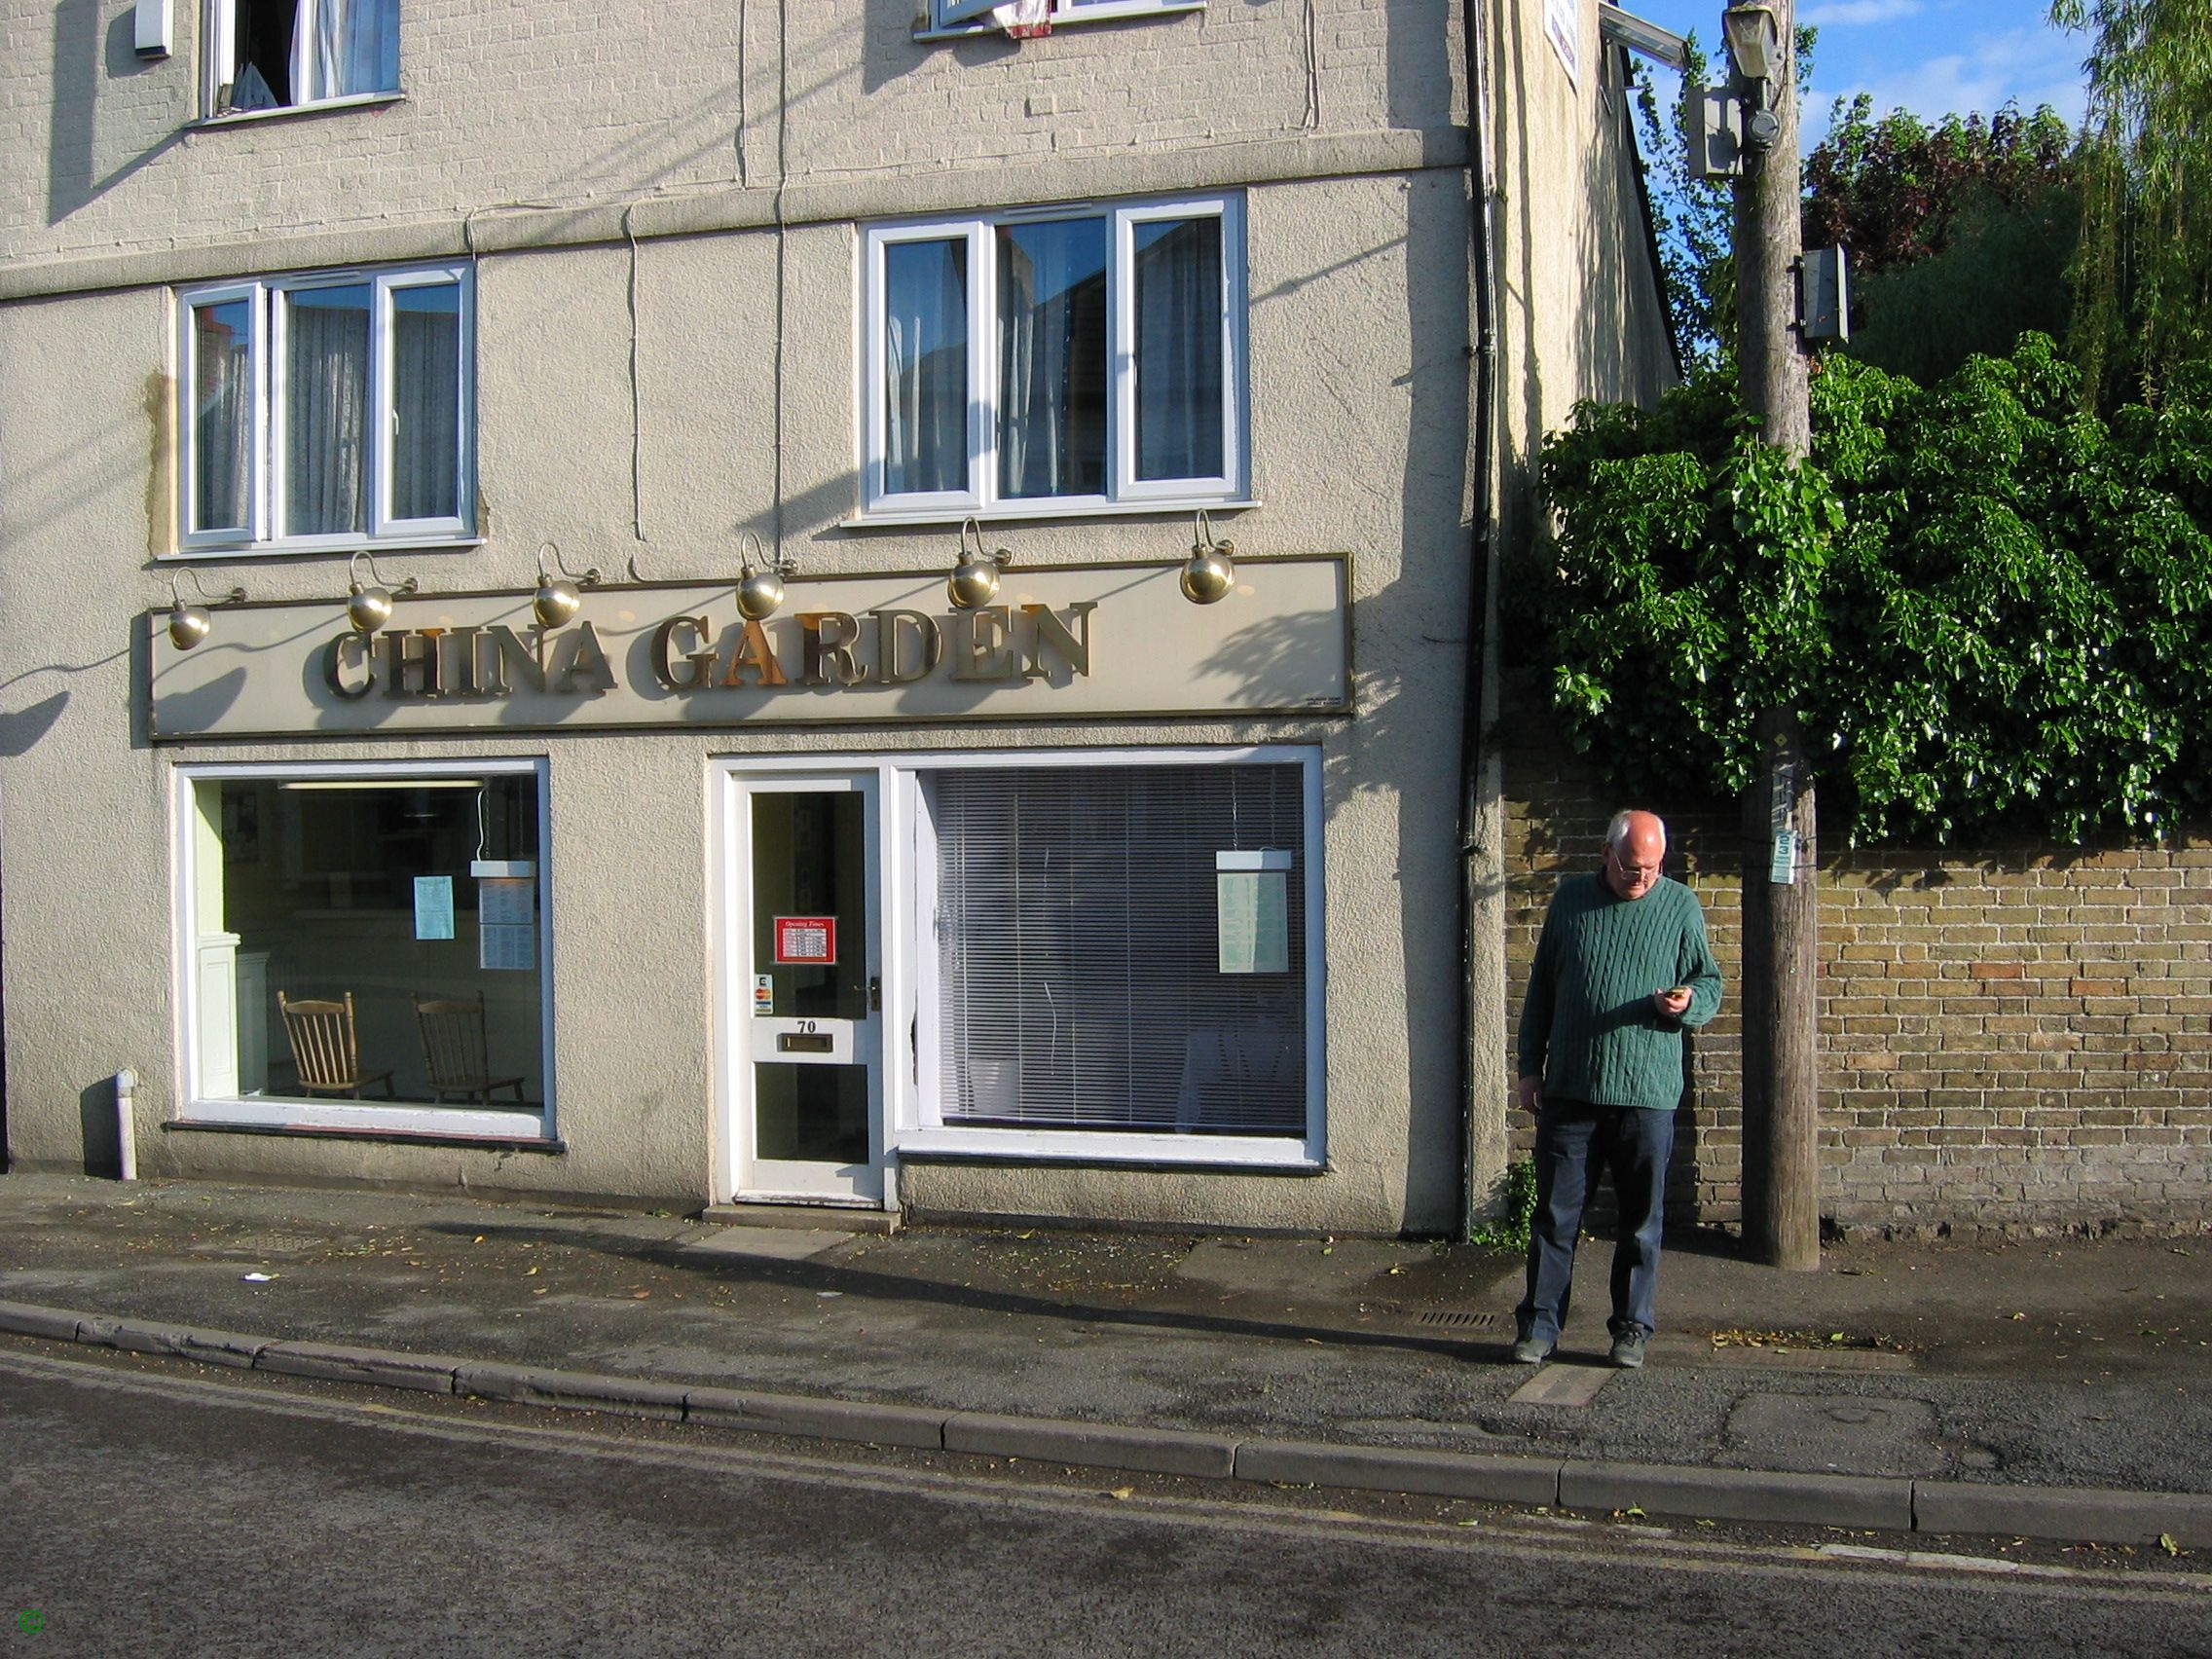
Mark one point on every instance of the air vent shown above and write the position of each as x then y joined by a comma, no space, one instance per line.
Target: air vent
1458,1319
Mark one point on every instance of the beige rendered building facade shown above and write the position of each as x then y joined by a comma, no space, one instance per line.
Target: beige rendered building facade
784,603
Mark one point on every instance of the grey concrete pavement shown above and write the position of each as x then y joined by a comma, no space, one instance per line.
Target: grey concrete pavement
2052,1388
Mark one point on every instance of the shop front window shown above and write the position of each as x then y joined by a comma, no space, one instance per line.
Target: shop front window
369,945
1124,950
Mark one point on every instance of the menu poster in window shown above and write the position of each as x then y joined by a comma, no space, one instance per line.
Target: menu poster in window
433,906
1252,912
806,942
507,923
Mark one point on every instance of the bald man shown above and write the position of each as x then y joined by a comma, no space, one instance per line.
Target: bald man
1622,970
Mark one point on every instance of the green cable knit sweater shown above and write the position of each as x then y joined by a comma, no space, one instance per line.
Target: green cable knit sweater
1588,1026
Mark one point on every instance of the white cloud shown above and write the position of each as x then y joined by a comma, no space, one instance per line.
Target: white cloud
1850,13
2028,66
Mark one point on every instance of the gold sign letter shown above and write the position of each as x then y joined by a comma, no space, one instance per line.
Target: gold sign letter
752,653
983,645
335,664
825,648
702,669
507,652
407,651
897,667
587,660
1049,629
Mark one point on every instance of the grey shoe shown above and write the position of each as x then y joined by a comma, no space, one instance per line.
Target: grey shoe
1627,1348
1530,1351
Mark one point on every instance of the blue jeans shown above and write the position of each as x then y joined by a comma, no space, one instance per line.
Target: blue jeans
1572,1136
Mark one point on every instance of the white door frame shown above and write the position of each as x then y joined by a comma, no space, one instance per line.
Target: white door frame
735,783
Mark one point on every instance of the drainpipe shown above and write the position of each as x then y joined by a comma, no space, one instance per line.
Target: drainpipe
125,1084
1481,969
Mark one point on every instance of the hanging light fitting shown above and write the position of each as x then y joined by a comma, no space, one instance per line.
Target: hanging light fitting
1209,575
189,624
368,605
974,580
559,598
761,588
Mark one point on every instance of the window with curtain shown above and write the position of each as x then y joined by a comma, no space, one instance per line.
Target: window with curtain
278,54
329,410
1056,359
1091,973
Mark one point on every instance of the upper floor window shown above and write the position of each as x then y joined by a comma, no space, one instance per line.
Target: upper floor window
331,409
1056,359
276,54
1038,17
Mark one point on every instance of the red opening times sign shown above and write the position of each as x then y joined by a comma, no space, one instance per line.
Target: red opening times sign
806,942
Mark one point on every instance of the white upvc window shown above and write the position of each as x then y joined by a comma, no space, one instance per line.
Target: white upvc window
284,53
978,17
1056,360
330,411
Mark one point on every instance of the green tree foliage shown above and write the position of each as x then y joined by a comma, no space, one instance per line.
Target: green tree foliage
1988,608
1960,232
2144,271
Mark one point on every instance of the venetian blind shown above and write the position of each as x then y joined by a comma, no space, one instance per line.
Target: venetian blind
1076,938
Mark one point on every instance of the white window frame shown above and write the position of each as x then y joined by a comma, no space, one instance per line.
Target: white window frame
325,1115
223,40
908,881
952,19
1124,492
266,348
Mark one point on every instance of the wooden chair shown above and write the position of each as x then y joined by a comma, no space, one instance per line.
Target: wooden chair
452,1048
324,1051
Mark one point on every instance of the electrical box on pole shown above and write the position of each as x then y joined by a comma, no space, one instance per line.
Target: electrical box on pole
1716,140
1823,294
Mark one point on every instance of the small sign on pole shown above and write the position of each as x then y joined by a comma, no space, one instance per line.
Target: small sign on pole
1823,294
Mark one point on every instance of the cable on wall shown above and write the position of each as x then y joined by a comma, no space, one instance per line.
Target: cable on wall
636,423
742,172
1313,29
783,152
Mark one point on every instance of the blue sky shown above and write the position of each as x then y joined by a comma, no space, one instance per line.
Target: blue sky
1931,56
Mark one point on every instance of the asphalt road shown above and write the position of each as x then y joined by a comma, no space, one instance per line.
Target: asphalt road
157,1513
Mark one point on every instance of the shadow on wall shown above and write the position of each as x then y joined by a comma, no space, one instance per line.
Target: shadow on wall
21,730
102,1133
1620,328
84,64
890,50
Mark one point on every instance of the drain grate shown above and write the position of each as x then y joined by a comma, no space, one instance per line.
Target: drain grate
1458,1319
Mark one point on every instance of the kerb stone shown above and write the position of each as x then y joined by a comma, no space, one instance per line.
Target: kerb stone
828,1419
1155,1451
2077,1515
571,1391
1740,1494
1384,1468
383,1368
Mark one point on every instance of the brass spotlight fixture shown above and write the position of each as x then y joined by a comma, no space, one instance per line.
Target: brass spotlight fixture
1209,575
368,605
975,579
761,588
559,598
189,624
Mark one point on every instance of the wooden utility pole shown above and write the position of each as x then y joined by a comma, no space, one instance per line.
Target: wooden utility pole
1781,1169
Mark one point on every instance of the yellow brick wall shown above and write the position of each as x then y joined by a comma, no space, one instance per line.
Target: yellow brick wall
2011,1039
